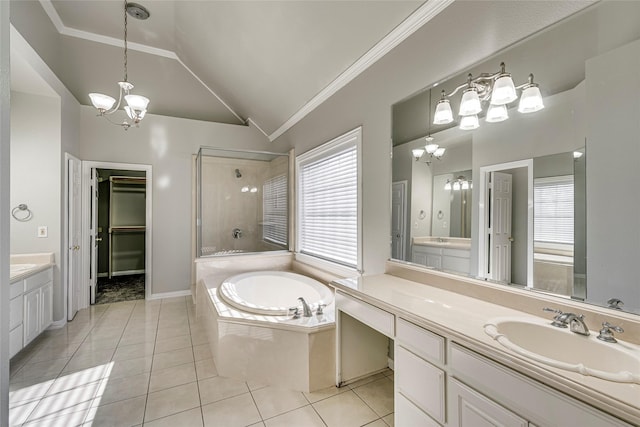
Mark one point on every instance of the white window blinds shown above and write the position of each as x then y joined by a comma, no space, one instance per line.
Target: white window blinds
553,209
274,210
328,201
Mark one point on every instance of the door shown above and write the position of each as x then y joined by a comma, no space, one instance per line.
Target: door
499,226
74,268
398,220
93,234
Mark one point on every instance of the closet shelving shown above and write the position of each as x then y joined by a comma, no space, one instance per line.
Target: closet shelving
127,217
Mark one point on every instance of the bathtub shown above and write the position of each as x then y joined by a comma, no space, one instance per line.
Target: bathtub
273,292
253,337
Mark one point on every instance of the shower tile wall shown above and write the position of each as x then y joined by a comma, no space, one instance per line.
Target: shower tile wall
226,207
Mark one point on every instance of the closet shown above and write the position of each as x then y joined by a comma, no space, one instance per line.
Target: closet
121,219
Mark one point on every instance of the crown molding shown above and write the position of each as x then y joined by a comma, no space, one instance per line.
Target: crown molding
417,19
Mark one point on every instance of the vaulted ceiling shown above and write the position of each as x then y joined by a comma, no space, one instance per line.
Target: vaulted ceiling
224,61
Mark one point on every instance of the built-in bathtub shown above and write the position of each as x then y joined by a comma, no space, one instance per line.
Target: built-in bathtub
254,338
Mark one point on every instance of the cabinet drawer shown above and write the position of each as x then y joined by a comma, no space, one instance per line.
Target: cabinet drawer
427,249
15,312
38,279
458,253
15,341
408,414
420,382
374,317
528,398
16,289
420,341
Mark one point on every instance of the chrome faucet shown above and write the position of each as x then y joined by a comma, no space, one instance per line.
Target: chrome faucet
606,333
615,303
575,322
305,307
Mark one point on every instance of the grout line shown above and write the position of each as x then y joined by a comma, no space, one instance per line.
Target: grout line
146,401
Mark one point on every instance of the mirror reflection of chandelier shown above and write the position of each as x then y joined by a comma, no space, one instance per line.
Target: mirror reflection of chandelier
497,88
457,184
432,150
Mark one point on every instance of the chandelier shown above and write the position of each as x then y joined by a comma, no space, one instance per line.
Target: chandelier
432,150
136,107
496,88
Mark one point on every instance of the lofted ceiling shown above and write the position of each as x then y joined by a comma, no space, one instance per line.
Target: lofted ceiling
235,62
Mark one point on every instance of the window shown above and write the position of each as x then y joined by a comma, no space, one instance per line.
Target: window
553,209
274,210
328,201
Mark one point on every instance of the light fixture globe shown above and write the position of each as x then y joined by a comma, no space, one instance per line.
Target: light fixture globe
504,91
530,100
443,114
439,152
137,102
497,113
431,148
102,102
417,153
469,122
470,103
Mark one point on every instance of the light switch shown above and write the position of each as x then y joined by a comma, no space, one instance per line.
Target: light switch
43,231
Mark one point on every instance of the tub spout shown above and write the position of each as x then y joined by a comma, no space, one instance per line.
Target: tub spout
305,307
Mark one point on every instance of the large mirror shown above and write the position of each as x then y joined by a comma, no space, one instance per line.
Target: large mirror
545,199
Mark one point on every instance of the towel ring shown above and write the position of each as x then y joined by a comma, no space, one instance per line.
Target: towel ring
24,216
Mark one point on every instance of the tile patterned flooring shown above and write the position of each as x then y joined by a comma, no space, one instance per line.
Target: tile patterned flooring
148,363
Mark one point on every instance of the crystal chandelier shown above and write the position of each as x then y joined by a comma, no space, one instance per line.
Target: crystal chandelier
136,107
497,88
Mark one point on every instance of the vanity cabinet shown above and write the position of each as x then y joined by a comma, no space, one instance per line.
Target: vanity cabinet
37,306
441,258
16,304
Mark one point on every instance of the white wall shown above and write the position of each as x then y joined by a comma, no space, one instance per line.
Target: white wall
35,173
406,69
167,144
613,199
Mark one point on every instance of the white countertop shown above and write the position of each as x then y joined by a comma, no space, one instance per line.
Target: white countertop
38,262
462,318
443,242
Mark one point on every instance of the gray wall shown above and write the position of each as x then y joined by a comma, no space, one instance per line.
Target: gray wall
613,199
367,100
167,144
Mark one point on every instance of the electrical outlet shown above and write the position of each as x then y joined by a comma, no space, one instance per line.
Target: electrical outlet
43,231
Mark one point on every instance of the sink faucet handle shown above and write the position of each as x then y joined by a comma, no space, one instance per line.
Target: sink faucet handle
606,333
320,309
295,312
560,319
552,310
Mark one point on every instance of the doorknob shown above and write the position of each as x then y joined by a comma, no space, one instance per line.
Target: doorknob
98,239
398,236
511,239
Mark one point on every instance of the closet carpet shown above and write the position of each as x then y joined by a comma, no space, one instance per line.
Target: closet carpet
120,288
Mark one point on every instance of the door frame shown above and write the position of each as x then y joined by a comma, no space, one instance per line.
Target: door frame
482,214
87,166
65,234
404,184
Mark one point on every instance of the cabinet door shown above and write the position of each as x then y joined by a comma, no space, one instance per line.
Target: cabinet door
468,408
31,315
46,305
434,261
419,258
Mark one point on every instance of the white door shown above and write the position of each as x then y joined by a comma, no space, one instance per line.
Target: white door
74,268
93,234
398,220
499,226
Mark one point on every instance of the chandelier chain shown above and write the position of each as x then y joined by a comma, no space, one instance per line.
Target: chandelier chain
125,40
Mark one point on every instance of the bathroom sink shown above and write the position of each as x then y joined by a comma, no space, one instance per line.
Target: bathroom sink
15,268
558,347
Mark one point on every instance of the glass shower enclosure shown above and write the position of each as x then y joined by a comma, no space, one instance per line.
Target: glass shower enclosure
242,202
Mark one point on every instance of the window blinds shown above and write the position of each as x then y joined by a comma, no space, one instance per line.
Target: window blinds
553,209
274,210
328,209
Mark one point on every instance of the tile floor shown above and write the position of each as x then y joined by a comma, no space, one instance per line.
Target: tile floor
148,363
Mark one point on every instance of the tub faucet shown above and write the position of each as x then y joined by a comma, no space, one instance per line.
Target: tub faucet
305,307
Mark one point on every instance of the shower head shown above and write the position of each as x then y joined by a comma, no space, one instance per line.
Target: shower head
238,174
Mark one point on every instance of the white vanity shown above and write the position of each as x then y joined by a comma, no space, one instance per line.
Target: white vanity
448,371
443,253
31,298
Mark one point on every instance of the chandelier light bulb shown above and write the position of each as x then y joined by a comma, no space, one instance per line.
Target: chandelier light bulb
470,103
497,113
102,102
504,91
456,186
465,185
417,153
469,122
439,152
447,186
137,102
431,148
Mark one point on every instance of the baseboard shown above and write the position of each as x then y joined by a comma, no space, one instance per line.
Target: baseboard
126,272
57,324
171,294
